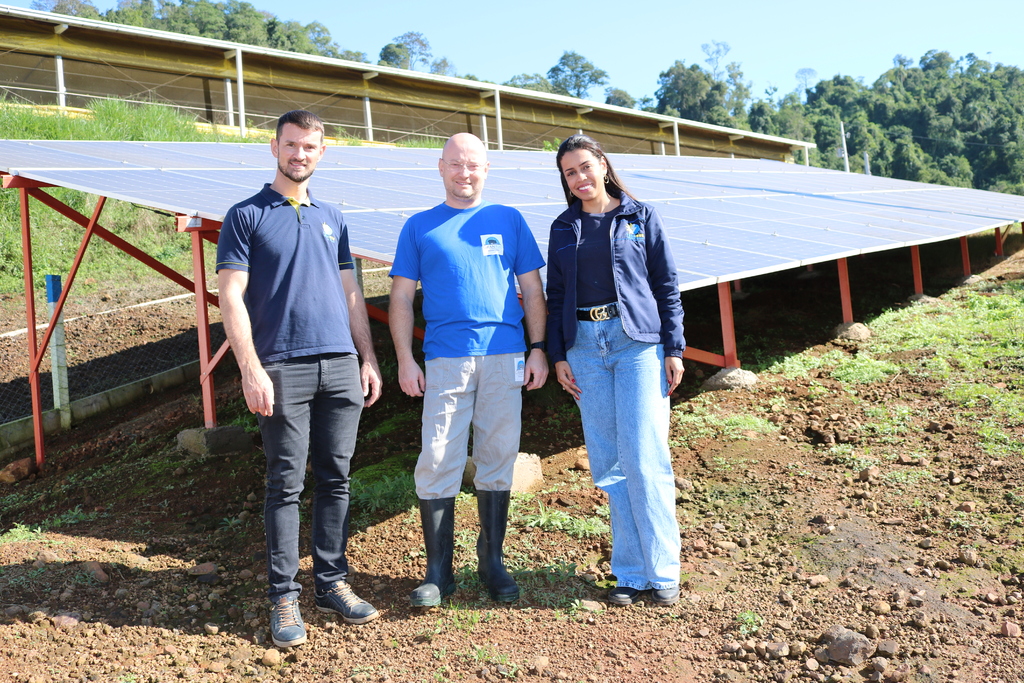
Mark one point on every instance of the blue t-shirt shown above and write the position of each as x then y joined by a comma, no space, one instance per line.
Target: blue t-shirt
466,261
295,299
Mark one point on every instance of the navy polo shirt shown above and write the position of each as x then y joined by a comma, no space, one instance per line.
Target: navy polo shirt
295,299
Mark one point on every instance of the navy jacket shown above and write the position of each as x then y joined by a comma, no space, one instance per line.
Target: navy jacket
644,274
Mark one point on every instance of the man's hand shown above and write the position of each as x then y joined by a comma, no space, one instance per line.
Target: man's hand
536,370
258,391
411,378
369,377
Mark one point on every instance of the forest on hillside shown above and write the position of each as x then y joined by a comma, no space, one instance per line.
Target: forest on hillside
953,121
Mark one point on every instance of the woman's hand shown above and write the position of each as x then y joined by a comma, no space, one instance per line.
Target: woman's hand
673,372
563,373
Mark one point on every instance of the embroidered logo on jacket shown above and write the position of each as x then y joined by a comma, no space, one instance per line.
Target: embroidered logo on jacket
329,233
635,232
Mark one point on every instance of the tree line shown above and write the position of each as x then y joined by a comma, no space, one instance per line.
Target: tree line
944,120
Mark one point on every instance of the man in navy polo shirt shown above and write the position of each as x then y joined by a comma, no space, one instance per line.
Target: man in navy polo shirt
297,324
468,255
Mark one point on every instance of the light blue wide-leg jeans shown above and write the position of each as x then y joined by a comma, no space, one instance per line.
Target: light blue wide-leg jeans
625,423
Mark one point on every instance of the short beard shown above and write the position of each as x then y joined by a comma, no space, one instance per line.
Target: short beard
299,178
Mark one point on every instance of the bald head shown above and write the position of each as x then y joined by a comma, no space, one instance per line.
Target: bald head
463,168
464,143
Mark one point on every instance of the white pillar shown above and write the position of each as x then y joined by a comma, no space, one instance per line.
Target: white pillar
483,129
846,156
661,146
675,136
241,92
62,92
368,119
229,103
807,156
497,121
58,355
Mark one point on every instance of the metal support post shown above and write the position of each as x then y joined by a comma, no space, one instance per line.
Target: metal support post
229,103
999,242
844,291
483,130
30,314
240,80
675,136
206,364
965,256
367,119
62,91
728,326
497,121
58,353
915,264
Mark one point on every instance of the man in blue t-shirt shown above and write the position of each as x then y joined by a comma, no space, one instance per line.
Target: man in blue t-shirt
296,320
467,255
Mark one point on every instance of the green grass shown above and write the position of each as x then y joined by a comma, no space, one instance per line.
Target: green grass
20,533
389,495
558,520
701,423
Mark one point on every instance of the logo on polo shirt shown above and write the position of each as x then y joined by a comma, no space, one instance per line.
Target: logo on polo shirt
329,233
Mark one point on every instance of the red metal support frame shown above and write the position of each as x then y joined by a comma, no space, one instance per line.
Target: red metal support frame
999,242
915,264
206,364
965,256
130,249
844,291
731,359
30,314
59,307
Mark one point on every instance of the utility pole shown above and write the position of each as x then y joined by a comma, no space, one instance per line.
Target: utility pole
846,156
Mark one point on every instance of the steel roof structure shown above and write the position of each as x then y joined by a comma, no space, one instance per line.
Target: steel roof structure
725,219
69,61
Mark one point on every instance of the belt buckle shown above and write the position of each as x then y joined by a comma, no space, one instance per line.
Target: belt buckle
599,314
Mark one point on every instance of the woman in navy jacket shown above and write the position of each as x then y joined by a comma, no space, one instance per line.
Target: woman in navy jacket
615,334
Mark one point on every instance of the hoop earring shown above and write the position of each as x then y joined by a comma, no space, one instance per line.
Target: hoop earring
606,181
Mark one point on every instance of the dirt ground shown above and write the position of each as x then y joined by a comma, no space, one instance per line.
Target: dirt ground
784,545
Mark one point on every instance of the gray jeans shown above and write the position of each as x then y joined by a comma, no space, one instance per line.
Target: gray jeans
317,403
485,392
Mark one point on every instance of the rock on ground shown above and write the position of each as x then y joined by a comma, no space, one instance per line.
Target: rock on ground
730,378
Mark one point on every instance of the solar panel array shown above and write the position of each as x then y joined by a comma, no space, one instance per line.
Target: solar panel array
726,219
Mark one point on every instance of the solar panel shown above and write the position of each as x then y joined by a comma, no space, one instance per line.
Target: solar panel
726,219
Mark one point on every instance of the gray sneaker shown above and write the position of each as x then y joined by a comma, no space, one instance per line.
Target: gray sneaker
286,627
340,599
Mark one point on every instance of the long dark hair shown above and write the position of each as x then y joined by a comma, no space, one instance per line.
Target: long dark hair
615,186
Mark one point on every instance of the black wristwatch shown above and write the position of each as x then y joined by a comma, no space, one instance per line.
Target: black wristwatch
542,345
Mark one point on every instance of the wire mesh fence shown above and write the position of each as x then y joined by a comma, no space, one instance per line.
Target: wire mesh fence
105,350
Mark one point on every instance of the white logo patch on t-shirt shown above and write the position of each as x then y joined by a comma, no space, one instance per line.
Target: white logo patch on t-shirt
492,245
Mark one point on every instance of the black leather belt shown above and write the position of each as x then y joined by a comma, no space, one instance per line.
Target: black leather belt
598,313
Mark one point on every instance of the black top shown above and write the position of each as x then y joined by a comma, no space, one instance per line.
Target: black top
595,285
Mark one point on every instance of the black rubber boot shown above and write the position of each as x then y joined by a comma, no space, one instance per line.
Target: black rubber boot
493,508
438,518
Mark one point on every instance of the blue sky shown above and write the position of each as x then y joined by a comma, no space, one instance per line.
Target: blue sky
635,41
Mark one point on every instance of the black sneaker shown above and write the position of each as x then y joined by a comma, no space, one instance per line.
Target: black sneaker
340,599
623,595
665,596
286,627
